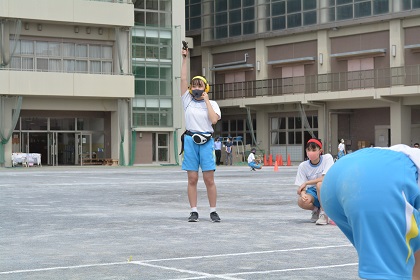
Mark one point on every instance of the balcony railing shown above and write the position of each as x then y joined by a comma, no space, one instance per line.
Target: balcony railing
343,81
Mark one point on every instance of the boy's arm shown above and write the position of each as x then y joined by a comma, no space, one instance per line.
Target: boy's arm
184,71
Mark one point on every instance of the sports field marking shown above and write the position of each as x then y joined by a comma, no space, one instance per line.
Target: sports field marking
203,275
60,267
147,262
266,271
248,253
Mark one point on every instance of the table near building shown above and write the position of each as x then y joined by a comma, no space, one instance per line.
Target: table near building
26,159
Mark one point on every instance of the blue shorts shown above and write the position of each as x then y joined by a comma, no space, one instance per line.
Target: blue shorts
254,165
312,191
196,156
372,195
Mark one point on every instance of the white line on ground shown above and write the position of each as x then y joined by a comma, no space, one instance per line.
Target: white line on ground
203,275
268,271
250,253
146,262
60,267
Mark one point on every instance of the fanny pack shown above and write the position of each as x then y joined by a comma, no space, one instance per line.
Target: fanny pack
198,138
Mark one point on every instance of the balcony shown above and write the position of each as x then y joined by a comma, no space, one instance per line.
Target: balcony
323,83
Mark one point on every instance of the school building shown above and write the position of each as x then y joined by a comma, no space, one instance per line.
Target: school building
286,70
82,80
65,79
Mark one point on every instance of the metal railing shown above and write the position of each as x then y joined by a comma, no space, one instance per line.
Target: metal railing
331,82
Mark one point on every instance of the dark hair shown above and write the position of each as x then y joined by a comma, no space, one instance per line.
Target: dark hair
314,143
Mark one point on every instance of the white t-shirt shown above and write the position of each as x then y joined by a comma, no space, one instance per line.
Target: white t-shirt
196,114
412,153
251,157
341,147
307,171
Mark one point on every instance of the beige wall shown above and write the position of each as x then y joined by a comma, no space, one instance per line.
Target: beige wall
66,84
73,11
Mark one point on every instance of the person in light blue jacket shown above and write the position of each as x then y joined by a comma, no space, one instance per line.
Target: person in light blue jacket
373,196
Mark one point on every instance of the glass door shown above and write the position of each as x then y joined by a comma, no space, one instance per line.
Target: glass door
52,149
84,151
161,147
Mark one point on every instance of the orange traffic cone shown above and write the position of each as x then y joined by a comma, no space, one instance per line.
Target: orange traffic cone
280,160
265,160
270,160
288,160
276,167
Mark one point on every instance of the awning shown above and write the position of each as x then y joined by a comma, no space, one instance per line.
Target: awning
244,66
300,60
413,48
374,52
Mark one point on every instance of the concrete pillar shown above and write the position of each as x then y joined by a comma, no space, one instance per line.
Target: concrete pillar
6,126
396,43
324,51
263,130
207,62
261,16
323,11
333,134
207,19
322,127
400,123
261,59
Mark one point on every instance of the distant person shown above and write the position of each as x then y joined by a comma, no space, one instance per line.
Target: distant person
341,149
309,177
218,150
228,149
416,145
373,196
252,161
201,114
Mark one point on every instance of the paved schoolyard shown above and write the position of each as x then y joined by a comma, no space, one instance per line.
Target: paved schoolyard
131,223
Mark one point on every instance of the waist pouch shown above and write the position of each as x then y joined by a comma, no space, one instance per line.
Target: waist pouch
198,138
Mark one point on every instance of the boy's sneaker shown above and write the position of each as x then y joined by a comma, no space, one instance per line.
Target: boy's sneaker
315,215
323,219
214,217
193,217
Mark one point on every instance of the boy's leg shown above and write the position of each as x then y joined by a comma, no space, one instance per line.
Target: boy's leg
192,188
323,218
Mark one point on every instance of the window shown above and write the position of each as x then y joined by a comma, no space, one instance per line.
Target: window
152,59
289,130
69,57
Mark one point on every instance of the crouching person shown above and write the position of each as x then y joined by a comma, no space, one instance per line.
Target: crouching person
309,179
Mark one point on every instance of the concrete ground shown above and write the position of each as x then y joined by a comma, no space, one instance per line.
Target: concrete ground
131,223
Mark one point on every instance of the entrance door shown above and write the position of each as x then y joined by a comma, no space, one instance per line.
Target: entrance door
52,149
84,153
161,147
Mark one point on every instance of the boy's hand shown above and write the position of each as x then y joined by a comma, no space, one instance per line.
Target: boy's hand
184,48
304,196
301,188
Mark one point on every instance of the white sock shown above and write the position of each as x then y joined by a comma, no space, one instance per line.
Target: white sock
194,209
212,209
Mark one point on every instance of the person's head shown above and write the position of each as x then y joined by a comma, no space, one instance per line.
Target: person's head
416,145
342,141
198,86
253,150
218,139
314,149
